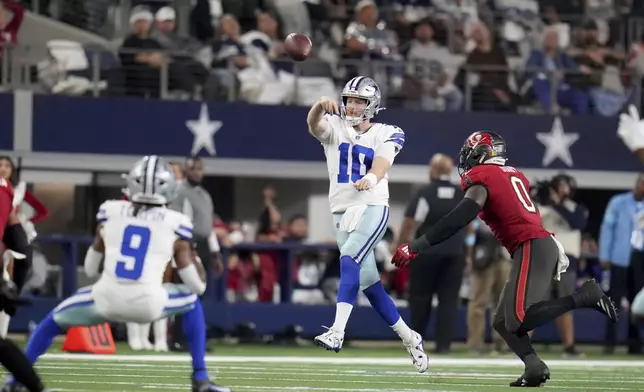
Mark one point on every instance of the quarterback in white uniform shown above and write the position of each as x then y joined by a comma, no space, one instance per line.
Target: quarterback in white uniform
135,240
359,154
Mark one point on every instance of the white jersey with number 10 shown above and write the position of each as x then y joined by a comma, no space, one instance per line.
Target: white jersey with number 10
349,156
138,248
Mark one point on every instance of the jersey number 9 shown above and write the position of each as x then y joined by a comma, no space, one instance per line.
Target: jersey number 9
134,248
356,165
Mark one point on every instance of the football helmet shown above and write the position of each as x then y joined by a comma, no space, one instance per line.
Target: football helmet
151,181
482,147
364,88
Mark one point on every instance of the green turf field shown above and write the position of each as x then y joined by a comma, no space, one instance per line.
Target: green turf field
267,368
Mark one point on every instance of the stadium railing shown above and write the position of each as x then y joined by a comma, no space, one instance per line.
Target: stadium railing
402,82
74,248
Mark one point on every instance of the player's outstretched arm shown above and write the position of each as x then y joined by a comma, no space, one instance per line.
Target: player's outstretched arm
318,125
95,254
452,223
187,267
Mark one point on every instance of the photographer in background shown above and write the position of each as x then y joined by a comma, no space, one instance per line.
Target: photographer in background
566,219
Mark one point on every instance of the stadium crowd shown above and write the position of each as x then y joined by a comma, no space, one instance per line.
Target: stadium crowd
503,55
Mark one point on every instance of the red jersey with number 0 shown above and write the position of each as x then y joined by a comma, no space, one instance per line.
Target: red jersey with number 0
509,210
6,204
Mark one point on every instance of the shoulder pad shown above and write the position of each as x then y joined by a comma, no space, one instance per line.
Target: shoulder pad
108,208
182,225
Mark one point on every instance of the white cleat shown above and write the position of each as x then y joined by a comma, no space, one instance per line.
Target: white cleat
331,340
147,345
417,354
135,344
161,347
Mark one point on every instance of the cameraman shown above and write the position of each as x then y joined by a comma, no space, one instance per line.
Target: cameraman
566,219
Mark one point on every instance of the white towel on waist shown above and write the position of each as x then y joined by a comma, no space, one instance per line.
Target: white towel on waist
563,262
351,218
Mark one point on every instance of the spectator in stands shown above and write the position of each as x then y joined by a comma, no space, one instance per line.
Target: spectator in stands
408,13
230,55
9,27
602,12
183,50
294,16
429,64
269,230
554,65
551,18
520,22
488,64
368,38
142,58
265,37
604,83
459,17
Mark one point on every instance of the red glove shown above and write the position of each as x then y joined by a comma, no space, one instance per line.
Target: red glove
403,256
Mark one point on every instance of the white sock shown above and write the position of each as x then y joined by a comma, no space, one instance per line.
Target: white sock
160,328
133,334
145,333
342,313
4,324
403,330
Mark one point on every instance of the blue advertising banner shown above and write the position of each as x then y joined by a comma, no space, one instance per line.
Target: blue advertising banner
243,131
6,122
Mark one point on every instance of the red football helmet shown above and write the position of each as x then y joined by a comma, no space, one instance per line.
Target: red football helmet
480,148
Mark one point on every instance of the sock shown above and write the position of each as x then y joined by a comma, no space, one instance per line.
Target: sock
144,333
347,292
133,334
546,311
19,366
403,330
194,331
160,329
382,303
42,338
518,342
4,324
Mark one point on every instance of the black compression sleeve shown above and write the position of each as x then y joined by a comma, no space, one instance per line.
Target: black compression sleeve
450,224
17,364
15,239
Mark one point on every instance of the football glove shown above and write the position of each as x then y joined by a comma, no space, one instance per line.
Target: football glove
631,129
403,256
9,297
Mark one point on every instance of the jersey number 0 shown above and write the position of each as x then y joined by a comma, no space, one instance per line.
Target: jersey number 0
356,165
134,248
522,194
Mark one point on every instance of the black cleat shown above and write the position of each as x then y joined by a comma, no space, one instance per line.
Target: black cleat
207,386
535,375
591,295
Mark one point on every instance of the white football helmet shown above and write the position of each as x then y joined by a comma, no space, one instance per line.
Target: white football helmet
364,88
151,181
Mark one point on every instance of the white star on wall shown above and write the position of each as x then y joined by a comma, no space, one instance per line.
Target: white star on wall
557,144
204,131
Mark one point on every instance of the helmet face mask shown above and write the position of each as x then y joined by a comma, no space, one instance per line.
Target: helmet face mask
360,100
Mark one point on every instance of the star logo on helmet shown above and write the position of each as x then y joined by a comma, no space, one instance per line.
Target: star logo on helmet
204,131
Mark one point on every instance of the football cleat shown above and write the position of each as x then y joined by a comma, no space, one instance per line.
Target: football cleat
591,295
535,375
331,340
207,386
417,353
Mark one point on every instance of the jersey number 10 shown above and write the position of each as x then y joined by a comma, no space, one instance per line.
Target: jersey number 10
356,165
522,194
134,247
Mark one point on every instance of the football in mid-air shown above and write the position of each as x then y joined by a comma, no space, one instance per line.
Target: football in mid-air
298,46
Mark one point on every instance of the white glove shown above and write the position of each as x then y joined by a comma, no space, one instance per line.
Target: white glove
631,129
